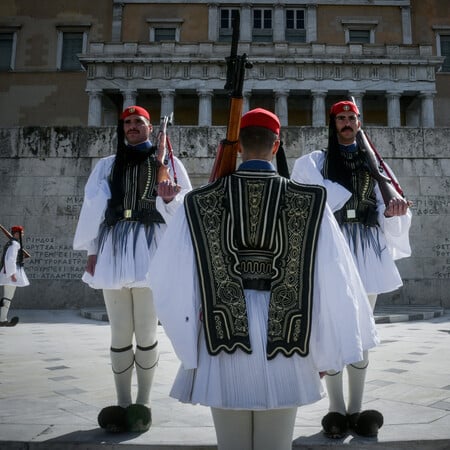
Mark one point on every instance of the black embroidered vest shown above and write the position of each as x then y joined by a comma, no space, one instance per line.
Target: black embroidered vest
258,231
354,175
139,198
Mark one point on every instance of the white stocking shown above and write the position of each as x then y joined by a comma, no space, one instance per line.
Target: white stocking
4,309
147,354
356,380
8,294
122,365
233,429
120,314
335,392
357,375
254,430
273,429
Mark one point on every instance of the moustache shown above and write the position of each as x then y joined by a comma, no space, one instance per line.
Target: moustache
347,128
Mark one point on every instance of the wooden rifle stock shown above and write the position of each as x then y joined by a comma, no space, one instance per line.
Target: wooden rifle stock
226,156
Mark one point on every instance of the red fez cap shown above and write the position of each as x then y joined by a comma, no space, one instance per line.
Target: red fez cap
137,110
344,106
16,229
260,117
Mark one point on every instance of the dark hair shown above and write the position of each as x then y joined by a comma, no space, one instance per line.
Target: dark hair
118,167
257,138
335,168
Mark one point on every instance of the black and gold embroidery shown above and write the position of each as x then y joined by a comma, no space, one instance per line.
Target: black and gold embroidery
256,231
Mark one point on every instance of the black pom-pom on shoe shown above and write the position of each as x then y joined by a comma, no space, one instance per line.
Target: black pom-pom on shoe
113,419
366,423
334,425
138,418
13,322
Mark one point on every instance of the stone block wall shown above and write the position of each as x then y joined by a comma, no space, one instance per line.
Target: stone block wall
43,172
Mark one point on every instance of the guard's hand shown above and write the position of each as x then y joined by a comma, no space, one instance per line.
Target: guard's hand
91,263
13,277
396,207
167,190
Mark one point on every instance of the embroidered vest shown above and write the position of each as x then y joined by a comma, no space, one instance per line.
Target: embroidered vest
259,231
362,205
139,199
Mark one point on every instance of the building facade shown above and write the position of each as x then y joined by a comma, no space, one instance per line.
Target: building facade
80,63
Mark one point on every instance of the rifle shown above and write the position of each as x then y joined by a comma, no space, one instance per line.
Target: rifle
389,187
10,236
165,146
225,162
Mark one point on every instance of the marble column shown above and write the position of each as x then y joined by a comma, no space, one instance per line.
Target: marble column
393,109
167,101
246,24
95,108
279,24
427,109
318,109
406,24
213,22
129,98
246,102
358,98
205,107
311,23
281,106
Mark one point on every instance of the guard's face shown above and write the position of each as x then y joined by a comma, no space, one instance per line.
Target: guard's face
136,129
347,125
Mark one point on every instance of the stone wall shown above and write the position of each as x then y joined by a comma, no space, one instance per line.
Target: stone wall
44,170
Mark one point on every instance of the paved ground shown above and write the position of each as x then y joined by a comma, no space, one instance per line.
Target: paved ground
55,376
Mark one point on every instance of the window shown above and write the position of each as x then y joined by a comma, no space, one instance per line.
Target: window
72,40
165,34
359,36
227,16
445,51
295,25
359,31
443,45
167,30
71,47
6,51
262,25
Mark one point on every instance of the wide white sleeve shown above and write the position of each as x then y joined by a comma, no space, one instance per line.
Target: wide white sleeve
96,195
308,170
10,266
174,283
167,210
395,229
343,324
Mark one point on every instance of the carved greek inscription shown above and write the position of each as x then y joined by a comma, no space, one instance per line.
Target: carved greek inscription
431,205
52,260
72,207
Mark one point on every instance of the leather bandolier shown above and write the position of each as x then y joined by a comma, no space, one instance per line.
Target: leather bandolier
139,199
256,230
362,205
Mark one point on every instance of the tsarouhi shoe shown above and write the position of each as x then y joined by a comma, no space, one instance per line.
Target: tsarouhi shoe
366,423
113,419
12,323
139,418
334,425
